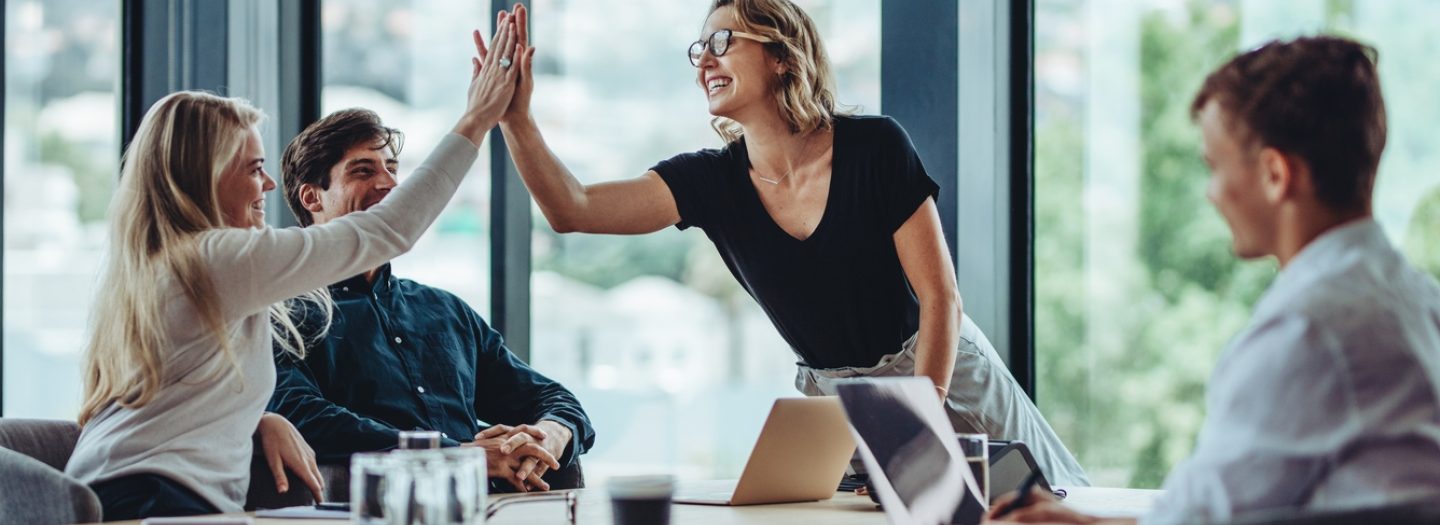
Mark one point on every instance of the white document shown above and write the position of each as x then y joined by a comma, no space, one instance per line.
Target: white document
304,512
200,520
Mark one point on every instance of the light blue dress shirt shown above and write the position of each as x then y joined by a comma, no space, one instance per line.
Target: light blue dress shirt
1330,399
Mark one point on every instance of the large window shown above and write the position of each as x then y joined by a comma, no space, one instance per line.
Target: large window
409,62
676,365
62,63
1137,289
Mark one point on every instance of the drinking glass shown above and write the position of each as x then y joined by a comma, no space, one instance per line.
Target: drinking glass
419,439
415,487
367,487
976,448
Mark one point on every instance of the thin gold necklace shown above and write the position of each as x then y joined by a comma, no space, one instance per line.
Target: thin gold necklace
773,181
777,182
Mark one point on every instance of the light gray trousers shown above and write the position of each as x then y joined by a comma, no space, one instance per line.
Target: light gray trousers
984,398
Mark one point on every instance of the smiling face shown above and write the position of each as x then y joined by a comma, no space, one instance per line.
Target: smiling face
362,178
742,80
241,189
1237,185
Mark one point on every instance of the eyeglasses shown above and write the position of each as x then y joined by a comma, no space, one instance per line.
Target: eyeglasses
719,43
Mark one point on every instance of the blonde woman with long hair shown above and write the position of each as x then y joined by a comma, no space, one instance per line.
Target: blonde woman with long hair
827,220
179,365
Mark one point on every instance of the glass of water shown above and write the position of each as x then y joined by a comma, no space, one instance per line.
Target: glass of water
466,485
367,487
976,448
414,487
419,439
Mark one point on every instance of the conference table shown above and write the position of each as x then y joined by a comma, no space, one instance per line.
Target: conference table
843,509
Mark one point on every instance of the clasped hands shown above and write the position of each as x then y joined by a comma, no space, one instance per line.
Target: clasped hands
522,454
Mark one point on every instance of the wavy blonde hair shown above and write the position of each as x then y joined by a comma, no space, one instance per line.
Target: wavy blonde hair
806,95
166,199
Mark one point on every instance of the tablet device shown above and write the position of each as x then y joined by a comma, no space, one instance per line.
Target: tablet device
1010,463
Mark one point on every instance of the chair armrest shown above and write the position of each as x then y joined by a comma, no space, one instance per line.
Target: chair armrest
33,492
51,441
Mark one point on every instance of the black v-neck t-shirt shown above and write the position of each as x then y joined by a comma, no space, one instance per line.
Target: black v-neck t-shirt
839,297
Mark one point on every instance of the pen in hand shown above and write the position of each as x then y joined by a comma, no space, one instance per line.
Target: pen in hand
1023,498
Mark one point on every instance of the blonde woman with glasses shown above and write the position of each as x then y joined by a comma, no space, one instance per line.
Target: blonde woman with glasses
827,220
179,366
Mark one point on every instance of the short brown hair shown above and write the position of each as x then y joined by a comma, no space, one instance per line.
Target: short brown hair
1315,97
310,156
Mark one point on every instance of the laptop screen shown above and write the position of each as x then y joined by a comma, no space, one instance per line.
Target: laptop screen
909,448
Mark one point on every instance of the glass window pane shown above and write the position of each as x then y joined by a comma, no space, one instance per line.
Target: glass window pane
1137,289
409,61
675,363
62,62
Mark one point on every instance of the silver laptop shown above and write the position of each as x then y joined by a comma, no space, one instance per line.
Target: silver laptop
800,455
915,465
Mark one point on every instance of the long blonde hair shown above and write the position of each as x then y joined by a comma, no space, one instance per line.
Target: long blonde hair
806,96
165,199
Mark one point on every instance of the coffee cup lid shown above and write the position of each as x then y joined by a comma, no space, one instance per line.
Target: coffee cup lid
657,486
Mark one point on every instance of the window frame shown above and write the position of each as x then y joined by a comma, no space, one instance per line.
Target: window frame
3,80
1021,65
964,91
510,223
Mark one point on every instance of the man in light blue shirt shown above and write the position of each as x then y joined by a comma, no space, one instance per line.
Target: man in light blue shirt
1330,398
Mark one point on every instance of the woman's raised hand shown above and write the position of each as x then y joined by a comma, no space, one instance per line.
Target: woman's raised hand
493,78
520,103
519,107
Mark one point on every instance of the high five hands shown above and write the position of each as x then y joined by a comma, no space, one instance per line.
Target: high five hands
496,76
521,61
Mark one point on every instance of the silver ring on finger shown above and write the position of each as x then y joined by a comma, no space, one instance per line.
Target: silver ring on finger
505,62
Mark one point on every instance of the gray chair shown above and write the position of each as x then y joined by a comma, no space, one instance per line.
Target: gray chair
33,487
42,447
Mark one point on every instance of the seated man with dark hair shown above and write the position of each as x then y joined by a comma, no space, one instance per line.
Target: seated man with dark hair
400,355
1330,399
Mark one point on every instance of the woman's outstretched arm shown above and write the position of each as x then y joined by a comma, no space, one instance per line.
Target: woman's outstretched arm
640,205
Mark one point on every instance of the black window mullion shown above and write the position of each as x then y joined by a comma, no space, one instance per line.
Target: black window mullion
301,56
191,36
918,87
135,79
509,238
1022,194
2,214
989,208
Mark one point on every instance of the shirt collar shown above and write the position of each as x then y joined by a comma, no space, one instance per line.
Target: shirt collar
384,282
1324,249
1327,251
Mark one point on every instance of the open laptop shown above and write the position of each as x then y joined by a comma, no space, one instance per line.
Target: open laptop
909,449
801,453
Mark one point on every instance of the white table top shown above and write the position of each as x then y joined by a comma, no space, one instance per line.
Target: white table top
843,509
1111,502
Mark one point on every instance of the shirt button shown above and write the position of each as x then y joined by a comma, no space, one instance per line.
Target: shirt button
420,389
344,288
444,435
397,339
